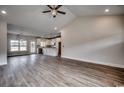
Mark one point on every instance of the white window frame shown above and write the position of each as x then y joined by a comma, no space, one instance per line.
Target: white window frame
11,45
21,43
33,49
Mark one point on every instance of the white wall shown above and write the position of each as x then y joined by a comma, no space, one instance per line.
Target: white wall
3,43
95,39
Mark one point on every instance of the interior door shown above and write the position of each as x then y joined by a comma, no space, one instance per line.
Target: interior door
59,49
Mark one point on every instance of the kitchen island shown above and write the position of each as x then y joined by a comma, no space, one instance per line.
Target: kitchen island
51,51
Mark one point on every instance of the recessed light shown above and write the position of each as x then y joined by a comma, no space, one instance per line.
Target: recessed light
107,10
3,12
55,28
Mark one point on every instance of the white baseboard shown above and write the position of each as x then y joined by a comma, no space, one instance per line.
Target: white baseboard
1,64
96,62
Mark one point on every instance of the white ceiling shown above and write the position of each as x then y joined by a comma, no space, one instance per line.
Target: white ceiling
96,10
32,18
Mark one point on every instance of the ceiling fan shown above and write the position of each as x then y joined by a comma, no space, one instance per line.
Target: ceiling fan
54,10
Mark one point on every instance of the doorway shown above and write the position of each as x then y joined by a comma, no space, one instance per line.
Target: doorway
59,49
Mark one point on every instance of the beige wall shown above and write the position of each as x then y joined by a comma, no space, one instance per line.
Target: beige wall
95,39
3,43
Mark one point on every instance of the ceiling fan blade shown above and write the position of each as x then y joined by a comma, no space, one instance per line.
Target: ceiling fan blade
49,6
46,11
58,7
61,12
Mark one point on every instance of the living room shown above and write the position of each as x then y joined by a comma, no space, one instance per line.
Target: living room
61,45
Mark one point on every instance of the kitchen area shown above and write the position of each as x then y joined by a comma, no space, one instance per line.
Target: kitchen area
49,46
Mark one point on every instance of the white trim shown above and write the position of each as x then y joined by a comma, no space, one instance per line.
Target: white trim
96,62
1,64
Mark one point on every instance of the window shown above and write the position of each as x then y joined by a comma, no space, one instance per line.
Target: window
42,44
14,45
32,47
18,45
23,45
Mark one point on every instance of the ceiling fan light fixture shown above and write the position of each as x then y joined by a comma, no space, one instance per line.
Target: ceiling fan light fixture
54,13
54,10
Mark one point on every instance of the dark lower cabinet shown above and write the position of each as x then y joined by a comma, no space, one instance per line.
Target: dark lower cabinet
40,51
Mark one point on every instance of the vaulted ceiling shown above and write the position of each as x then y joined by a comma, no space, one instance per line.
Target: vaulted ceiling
30,17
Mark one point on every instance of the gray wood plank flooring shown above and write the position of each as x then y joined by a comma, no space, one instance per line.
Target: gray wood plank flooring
46,71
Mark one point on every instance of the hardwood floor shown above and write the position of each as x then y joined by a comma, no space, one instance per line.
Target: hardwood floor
46,71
